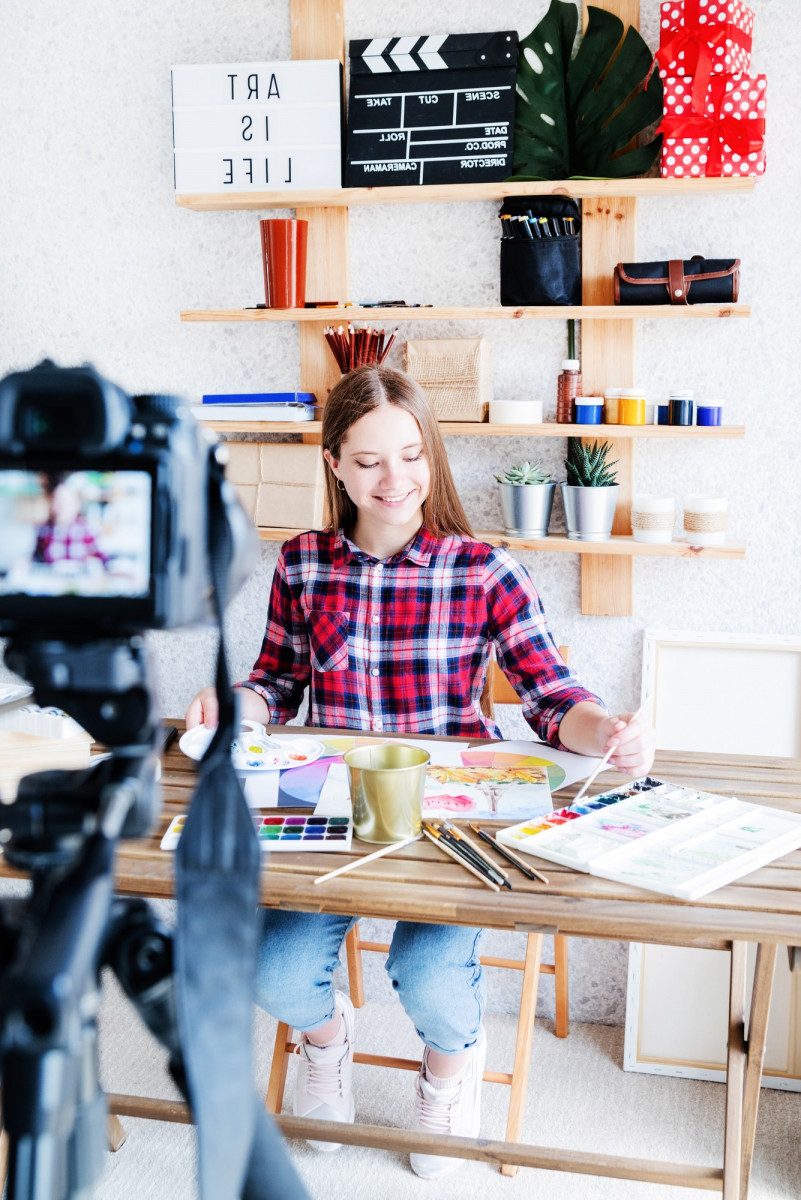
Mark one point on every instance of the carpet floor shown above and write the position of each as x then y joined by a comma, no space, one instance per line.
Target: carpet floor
578,1098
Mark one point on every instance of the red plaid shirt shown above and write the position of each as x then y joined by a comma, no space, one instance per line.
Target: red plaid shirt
402,645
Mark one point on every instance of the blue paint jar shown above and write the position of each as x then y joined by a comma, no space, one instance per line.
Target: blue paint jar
663,414
710,412
589,410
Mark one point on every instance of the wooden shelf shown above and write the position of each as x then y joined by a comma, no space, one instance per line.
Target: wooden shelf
619,545
484,429
454,192
552,312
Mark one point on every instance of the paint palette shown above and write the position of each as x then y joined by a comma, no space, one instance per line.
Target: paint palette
254,749
276,833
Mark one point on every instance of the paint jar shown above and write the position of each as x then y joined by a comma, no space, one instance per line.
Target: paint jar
650,413
653,518
706,518
663,414
631,406
386,787
710,412
681,408
611,404
568,386
589,410
515,412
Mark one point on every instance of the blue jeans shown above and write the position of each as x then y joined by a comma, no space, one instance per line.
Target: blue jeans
435,970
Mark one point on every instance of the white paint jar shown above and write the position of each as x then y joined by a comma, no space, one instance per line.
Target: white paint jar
706,518
515,412
653,518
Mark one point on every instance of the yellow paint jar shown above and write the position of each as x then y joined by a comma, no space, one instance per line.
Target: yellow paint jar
631,407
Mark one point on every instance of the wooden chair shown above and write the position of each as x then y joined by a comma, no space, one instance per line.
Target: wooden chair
501,692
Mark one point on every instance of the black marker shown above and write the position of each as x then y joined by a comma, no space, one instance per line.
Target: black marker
545,227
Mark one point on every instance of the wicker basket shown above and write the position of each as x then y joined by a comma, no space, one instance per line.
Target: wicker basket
455,374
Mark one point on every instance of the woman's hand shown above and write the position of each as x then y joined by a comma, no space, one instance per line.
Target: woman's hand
633,741
204,709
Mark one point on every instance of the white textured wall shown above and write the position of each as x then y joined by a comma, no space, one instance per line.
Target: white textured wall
96,261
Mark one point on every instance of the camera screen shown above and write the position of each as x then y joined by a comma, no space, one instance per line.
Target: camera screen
75,533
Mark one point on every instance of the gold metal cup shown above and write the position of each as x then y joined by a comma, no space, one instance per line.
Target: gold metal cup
386,787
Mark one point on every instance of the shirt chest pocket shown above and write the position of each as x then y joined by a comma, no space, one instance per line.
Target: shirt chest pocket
328,640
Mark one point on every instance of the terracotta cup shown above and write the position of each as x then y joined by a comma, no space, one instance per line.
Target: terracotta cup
283,257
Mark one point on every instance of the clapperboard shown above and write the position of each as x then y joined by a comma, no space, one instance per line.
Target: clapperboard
434,109
240,127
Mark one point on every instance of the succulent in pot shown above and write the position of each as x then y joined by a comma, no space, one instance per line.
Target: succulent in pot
590,492
526,500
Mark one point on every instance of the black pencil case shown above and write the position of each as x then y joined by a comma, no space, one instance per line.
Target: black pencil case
545,269
699,281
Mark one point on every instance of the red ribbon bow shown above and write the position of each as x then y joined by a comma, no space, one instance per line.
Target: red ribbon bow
742,135
698,40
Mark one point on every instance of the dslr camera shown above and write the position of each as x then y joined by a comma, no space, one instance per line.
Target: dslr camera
116,518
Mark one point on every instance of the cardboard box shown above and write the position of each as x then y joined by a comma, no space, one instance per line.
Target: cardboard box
248,495
290,505
291,491
243,462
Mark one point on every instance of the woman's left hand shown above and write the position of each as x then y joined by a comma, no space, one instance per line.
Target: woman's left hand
634,741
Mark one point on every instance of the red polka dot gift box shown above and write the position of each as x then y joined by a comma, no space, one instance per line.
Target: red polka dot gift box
726,139
704,37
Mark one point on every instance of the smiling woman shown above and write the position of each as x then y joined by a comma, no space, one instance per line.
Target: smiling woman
389,617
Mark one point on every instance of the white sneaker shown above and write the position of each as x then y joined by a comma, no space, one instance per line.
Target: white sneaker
324,1084
455,1110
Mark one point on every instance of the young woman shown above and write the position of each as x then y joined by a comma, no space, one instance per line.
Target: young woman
389,617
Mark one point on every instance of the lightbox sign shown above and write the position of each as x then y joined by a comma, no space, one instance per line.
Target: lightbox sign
240,127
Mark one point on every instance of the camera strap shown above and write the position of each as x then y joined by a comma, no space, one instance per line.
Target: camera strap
218,861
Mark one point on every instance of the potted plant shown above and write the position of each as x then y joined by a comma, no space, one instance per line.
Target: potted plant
590,493
526,500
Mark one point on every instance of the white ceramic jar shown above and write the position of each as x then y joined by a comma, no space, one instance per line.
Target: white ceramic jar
515,412
652,518
706,518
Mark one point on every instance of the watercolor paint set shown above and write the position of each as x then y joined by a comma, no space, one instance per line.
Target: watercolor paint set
285,832
661,836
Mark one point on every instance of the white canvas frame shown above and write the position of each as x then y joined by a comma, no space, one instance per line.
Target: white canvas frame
708,714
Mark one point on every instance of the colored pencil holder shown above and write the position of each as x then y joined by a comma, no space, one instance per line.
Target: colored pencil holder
386,786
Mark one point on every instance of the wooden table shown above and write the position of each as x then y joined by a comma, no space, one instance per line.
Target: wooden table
420,884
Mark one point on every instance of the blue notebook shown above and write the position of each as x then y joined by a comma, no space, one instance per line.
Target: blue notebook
262,398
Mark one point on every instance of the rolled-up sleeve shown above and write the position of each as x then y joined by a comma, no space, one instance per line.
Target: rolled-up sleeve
281,672
526,650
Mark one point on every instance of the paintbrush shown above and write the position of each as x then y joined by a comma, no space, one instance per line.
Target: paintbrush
607,756
436,837
462,844
498,873
507,854
351,866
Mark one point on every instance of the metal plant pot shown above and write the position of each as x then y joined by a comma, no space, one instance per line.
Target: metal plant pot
589,512
526,508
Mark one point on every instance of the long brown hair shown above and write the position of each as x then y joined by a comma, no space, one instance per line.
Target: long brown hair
360,392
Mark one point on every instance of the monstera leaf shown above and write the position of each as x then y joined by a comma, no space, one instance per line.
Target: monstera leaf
574,118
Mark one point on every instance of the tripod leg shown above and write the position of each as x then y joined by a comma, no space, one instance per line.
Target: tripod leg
116,1132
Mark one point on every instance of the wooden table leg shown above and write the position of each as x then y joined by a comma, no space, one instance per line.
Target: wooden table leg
757,1037
735,1077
